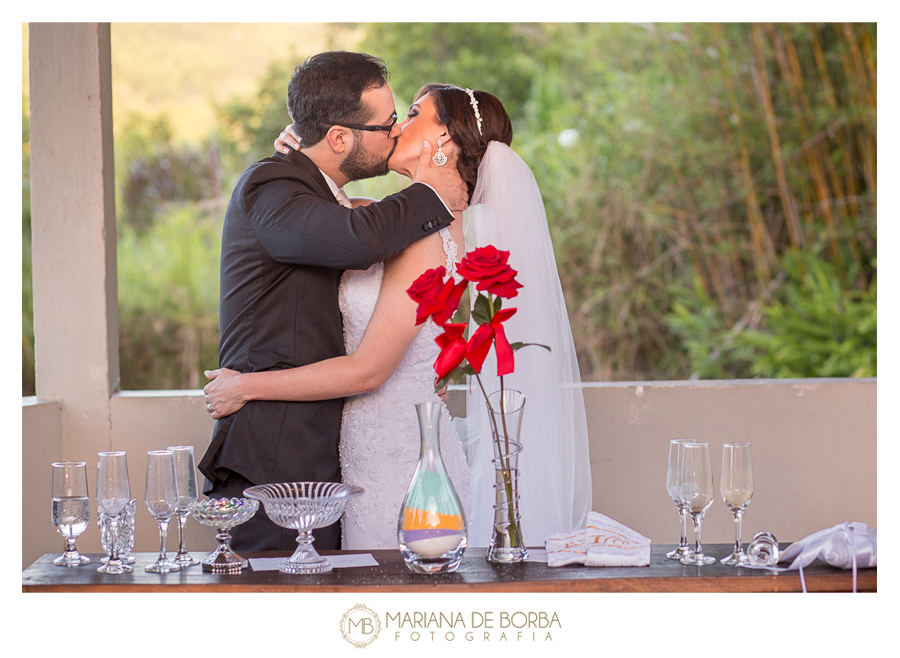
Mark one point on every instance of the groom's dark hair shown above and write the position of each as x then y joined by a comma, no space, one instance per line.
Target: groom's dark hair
327,89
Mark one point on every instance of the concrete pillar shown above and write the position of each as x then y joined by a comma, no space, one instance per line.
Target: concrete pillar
74,231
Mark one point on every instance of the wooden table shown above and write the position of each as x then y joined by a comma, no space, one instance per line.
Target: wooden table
473,575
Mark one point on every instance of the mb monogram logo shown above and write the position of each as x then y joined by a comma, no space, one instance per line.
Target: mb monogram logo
360,626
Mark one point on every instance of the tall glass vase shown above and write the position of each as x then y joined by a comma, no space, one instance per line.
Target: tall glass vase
505,408
431,529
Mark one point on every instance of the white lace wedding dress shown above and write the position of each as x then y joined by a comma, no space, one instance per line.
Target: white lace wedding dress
380,440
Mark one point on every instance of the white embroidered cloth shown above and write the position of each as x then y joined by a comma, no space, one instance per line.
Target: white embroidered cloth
603,543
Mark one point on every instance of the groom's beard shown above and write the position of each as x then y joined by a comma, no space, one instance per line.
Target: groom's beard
360,164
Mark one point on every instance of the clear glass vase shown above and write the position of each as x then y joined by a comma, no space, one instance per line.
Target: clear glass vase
505,410
431,529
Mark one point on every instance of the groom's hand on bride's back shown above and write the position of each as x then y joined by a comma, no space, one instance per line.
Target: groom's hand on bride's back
443,180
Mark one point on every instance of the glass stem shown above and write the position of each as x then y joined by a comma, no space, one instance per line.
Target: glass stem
698,547
223,538
182,520
163,531
70,545
738,515
683,515
114,539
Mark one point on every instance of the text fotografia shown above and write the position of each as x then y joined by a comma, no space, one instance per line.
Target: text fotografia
478,626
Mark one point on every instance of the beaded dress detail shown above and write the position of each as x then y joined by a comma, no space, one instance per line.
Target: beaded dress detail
380,441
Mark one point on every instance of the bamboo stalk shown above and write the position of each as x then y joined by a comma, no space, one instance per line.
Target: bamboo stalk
869,169
841,209
840,133
858,64
757,225
800,104
825,205
800,83
735,261
783,189
866,145
791,83
823,69
871,67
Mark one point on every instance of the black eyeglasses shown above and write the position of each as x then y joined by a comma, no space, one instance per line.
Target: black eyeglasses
358,126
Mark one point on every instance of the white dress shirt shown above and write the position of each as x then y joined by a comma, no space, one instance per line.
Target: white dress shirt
338,192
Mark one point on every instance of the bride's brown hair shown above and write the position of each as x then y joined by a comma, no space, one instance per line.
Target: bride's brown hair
453,109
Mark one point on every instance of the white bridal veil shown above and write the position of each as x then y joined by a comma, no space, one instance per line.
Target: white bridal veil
507,211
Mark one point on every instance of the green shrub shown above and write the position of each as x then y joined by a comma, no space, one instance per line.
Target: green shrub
819,325
169,299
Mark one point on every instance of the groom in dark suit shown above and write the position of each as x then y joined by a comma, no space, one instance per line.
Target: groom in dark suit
288,235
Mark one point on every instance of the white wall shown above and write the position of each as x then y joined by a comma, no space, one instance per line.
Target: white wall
813,443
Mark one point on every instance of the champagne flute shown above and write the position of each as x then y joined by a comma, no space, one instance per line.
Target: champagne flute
161,499
113,495
186,480
70,509
737,490
673,487
698,494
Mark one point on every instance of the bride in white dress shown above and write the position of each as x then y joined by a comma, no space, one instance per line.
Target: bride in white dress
389,362
379,445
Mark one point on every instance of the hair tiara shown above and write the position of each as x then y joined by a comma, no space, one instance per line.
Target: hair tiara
474,104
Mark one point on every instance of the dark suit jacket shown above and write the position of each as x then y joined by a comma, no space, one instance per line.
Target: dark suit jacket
285,243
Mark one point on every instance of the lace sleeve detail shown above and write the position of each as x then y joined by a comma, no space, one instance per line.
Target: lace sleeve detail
450,250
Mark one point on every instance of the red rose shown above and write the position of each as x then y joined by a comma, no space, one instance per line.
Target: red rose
435,296
453,349
487,265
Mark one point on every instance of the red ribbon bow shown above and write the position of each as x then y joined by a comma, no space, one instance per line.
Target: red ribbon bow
480,344
453,349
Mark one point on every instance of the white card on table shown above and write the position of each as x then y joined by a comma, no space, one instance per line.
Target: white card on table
337,561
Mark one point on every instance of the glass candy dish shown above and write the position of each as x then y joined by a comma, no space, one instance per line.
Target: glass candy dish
304,506
223,514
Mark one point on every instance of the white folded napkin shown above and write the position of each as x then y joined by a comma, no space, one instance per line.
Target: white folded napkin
603,543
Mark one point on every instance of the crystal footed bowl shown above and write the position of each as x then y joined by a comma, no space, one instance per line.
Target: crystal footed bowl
223,514
303,506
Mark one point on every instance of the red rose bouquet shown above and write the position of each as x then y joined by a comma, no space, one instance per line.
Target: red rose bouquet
495,280
439,299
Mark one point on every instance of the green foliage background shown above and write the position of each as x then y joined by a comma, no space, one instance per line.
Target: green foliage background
710,191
